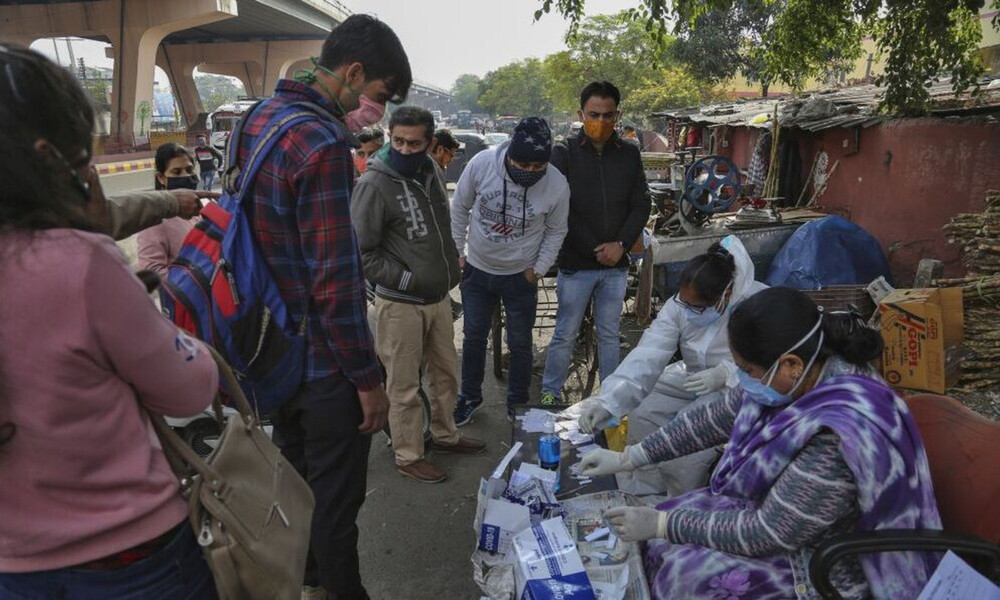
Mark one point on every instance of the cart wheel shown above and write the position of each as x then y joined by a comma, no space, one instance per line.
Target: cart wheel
496,333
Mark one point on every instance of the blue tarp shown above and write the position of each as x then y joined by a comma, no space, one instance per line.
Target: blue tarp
830,251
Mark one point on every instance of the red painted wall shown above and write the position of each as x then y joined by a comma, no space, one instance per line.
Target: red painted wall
938,167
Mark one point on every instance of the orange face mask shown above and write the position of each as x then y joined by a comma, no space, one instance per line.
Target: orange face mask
598,130
361,164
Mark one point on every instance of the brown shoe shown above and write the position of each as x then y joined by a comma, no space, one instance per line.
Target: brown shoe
423,471
464,445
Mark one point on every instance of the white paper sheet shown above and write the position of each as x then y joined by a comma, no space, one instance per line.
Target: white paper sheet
956,580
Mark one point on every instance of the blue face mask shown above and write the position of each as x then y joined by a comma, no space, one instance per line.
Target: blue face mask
709,315
761,392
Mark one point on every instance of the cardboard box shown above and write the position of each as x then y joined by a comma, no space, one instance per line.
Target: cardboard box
549,566
923,331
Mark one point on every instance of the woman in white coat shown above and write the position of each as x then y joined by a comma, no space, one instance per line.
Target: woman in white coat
651,391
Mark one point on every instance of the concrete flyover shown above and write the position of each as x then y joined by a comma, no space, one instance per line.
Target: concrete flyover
256,41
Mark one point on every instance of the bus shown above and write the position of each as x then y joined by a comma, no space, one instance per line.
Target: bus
221,121
464,119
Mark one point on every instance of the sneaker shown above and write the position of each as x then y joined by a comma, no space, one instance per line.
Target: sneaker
310,592
464,445
423,471
510,413
464,411
549,399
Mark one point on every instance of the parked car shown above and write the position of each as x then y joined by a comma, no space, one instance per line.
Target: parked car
472,144
496,138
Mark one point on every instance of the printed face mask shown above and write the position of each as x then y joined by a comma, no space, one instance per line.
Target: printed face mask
366,115
761,392
598,130
524,178
361,164
184,182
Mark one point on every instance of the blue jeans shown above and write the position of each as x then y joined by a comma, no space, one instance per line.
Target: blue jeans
178,571
575,289
480,294
208,180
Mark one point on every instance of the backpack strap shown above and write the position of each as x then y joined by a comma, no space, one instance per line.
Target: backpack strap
285,119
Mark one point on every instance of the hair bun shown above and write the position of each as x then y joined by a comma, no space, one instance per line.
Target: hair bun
848,335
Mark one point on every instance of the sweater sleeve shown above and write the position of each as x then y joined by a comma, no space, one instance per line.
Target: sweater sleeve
172,373
130,214
638,207
151,250
461,205
815,491
701,427
555,232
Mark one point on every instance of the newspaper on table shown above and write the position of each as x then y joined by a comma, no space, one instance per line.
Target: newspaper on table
611,564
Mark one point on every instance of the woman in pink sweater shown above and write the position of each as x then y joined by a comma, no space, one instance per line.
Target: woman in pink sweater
158,246
89,507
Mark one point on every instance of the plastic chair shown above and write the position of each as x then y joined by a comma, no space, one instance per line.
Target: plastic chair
962,448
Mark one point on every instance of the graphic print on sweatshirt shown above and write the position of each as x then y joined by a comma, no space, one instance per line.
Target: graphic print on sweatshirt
416,227
491,220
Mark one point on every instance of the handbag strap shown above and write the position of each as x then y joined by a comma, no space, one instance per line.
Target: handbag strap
179,454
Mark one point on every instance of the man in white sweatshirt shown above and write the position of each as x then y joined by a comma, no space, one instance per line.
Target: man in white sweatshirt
508,218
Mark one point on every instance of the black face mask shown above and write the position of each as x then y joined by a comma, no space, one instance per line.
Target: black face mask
184,182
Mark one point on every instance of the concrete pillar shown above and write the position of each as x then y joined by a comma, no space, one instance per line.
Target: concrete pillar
135,29
181,76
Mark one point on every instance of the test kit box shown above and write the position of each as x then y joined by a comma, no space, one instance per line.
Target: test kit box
923,330
549,566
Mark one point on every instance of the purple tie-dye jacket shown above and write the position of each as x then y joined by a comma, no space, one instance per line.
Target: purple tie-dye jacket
880,444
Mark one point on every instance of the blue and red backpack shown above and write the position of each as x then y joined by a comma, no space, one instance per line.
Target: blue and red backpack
221,290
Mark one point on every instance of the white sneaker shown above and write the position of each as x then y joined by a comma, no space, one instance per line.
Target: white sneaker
314,593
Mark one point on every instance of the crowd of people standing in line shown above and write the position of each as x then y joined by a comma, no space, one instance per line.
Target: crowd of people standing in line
815,443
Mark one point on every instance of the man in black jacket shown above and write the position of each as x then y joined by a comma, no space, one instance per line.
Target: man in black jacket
609,205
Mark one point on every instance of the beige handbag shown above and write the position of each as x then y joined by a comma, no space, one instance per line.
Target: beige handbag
248,506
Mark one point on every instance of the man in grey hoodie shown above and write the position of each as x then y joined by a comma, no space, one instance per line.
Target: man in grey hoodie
508,218
400,213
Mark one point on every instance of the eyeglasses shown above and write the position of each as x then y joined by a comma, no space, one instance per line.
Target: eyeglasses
695,309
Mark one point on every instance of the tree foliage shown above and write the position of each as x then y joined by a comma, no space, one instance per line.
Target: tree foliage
466,91
615,48
801,39
516,89
216,90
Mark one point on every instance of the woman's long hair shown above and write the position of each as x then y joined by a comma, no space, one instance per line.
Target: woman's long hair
40,190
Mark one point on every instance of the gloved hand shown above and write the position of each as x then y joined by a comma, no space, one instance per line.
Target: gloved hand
604,462
594,417
707,381
637,524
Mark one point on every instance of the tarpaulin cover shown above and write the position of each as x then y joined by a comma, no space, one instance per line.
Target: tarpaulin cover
829,251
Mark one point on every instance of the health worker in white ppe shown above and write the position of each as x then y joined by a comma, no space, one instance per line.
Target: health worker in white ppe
651,391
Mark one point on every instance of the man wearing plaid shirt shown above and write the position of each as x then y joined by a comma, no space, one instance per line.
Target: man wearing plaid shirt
301,219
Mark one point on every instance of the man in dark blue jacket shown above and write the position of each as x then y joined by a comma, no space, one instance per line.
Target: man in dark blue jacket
609,205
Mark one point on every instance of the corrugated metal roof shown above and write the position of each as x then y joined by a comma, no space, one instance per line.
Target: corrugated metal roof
826,109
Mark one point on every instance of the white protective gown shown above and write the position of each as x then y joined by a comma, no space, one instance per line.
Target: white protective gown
651,393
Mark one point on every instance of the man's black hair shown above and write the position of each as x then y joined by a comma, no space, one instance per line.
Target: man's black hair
366,40
370,134
411,116
601,89
446,139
